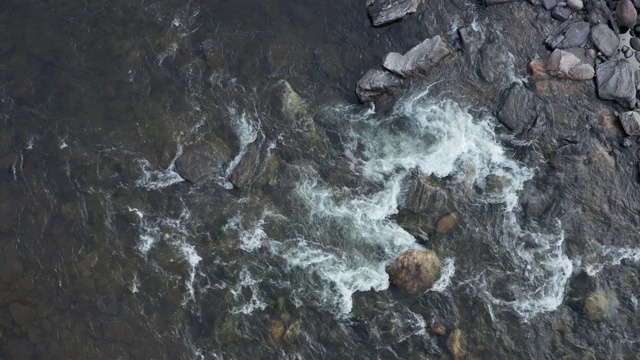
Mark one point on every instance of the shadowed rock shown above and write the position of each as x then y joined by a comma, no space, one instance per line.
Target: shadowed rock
565,65
616,81
605,39
414,271
631,122
383,12
247,168
375,83
421,58
199,162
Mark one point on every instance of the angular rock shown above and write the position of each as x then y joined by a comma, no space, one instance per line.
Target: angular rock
425,194
383,12
575,5
631,122
561,13
605,39
197,163
616,81
421,58
519,108
375,83
569,35
548,4
248,166
626,14
566,65
414,271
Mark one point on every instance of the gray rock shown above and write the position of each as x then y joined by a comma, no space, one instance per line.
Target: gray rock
424,194
561,13
569,35
616,81
592,54
471,39
628,53
575,5
631,122
383,12
375,83
245,171
421,58
199,162
548,4
626,14
605,39
518,109
494,2
566,65
635,43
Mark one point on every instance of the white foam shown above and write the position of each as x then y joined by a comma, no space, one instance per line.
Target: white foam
247,131
447,270
610,256
255,302
154,179
251,238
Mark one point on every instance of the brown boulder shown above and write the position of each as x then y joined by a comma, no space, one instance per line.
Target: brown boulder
414,271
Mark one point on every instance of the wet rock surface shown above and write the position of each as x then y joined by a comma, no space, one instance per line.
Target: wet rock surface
383,12
421,58
375,83
414,271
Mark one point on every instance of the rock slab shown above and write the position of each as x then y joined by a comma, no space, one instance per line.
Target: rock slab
383,12
421,58
605,39
616,81
376,83
570,34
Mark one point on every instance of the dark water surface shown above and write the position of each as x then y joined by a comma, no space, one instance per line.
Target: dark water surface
108,253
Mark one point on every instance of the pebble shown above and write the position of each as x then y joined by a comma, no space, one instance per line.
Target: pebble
628,53
635,43
575,5
591,53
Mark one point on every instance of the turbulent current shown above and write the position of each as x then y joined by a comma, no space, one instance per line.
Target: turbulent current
198,180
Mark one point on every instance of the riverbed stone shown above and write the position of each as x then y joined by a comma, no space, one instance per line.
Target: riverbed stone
575,5
200,161
630,121
420,59
383,12
414,271
597,306
518,108
566,65
605,39
455,344
424,194
561,13
247,168
626,14
635,43
548,4
375,83
447,223
570,34
21,314
616,81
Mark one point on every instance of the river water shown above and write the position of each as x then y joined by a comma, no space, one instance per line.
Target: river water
109,252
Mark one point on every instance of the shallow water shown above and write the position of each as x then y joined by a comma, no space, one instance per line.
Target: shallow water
109,252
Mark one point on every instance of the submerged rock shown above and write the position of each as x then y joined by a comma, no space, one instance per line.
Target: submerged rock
199,162
376,83
414,271
518,109
383,12
616,81
631,122
455,344
447,223
421,58
597,306
247,168
626,14
566,65
605,39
